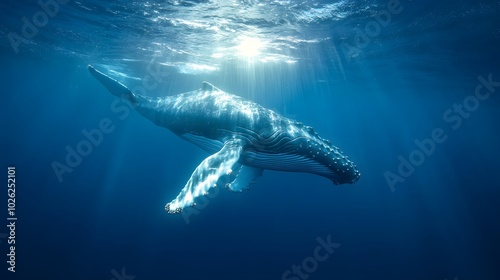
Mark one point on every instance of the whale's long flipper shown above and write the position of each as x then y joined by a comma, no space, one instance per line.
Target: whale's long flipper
206,175
244,178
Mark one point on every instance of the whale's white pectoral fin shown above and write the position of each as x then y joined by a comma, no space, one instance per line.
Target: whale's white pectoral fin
206,175
245,177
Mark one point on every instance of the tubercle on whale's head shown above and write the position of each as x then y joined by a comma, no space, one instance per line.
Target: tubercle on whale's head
341,169
307,142
350,178
344,171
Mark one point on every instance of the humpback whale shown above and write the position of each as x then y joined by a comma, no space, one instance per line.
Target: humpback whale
242,137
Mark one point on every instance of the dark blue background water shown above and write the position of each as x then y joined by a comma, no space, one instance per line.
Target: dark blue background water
442,222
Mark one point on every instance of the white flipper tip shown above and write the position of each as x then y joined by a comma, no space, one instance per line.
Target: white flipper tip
172,211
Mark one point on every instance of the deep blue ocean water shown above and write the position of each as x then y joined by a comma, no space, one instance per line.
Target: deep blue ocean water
374,77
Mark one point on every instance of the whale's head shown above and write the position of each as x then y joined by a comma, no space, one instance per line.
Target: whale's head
338,167
322,158
298,148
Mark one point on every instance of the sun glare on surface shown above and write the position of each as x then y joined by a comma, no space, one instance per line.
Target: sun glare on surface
250,47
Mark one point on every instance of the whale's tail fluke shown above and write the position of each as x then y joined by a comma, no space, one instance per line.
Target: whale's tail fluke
115,87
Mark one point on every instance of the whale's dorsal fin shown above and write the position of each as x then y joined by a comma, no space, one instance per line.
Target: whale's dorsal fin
206,86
